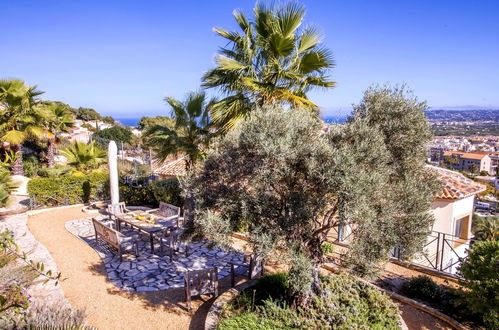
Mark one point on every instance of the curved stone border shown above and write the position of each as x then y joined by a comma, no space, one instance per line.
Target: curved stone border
215,311
44,294
427,309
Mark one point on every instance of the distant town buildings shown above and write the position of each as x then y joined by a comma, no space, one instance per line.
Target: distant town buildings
473,154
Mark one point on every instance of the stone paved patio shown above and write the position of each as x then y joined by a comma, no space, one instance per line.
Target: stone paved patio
152,272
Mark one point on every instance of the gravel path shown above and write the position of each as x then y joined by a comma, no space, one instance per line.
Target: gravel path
87,286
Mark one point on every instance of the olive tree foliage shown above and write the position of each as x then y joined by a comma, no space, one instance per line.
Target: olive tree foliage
400,117
277,172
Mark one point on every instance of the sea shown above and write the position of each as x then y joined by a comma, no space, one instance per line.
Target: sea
328,119
129,121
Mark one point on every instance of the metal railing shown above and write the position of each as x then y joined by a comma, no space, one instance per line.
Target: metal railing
442,252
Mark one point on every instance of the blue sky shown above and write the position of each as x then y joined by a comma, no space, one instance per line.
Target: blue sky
123,57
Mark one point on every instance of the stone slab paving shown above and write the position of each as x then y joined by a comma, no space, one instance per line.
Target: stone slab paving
152,272
43,294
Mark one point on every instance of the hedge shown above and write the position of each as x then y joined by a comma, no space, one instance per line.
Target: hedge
151,194
72,189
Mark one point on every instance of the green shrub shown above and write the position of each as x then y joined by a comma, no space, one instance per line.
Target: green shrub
57,171
344,303
137,195
31,165
327,248
73,189
479,272
423,287
168,191
6,187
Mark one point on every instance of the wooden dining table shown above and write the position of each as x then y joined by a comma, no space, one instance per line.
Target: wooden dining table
151,228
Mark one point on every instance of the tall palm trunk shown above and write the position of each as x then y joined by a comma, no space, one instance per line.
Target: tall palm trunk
51,152
189,205
17,165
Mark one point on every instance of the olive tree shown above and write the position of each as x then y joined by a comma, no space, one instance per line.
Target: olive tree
289,183
280,177
400,118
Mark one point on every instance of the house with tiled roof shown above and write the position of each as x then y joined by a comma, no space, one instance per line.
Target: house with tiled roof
452,208
469,161
450,234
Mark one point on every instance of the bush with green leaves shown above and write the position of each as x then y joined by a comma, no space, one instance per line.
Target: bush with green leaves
57,171
168,191
72,189
423,287
31,165
6,187
137,196
481,282
344,303
115,133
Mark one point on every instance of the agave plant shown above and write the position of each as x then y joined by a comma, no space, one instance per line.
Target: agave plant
272,60
84,157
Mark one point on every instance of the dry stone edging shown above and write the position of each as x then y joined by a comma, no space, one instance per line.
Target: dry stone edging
152,272
215,311
45,294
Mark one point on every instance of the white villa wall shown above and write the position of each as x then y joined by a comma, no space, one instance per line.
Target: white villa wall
446,213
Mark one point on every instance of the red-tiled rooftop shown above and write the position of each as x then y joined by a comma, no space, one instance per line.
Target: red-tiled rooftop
176,167
455,185
467,155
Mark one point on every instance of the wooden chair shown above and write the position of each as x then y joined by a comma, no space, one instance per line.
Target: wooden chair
173,242
169,212
250,269
114,238
200,282
117,209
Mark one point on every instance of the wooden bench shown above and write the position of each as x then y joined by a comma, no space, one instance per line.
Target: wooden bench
114,238
250,269
200,282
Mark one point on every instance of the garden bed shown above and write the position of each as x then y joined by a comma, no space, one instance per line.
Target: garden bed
344,302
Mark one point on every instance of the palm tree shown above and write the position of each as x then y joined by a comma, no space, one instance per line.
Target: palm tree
272,60
84,156
58,119
192,131
191,135
20,117
486,228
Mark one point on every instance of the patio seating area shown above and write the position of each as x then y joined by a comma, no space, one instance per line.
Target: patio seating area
152,271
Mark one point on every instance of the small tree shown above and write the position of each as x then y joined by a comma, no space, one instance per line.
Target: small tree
479,273
115,133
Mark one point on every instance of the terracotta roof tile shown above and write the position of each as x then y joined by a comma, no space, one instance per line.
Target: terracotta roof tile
466,155
175,167
455,185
